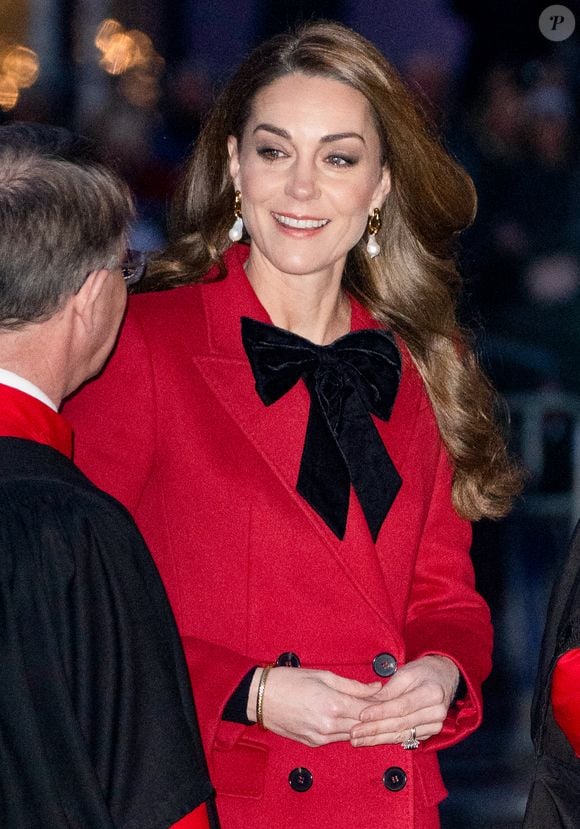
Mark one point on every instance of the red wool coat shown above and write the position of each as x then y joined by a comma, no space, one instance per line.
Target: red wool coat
174,428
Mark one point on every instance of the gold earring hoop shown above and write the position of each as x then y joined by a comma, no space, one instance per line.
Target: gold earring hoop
238,204
375,222
373,226
236,231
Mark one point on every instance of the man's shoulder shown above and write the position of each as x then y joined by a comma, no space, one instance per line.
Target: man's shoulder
40,472
52,516
21,458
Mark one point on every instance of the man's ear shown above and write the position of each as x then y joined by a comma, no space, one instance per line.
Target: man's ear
233,152
85,301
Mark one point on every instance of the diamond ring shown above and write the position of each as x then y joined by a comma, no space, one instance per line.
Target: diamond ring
412,742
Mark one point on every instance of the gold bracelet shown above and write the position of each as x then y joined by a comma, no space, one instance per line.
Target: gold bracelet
260,697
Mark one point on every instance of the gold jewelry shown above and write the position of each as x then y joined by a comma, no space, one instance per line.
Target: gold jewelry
373,226
374,222
237,229
238,204
260,697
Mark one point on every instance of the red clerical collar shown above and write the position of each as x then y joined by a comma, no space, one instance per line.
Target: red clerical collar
23,416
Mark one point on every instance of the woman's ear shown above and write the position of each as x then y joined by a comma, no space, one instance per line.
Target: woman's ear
234,160
382,190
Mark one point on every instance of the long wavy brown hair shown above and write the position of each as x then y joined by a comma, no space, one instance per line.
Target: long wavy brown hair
412,286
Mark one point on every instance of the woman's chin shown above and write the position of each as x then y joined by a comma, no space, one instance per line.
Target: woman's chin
295,260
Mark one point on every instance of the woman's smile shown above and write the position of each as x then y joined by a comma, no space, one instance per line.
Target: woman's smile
299,225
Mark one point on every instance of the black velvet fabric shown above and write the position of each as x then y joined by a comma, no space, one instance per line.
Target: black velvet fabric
97,725
348,380
554,800
237,705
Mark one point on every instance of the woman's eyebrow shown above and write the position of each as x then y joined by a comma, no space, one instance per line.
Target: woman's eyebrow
337,136
326,139
270,128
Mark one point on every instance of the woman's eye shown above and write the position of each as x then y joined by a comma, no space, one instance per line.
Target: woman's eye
269,153
341,160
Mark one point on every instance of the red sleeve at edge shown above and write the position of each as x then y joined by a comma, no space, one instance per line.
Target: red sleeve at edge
566,696
194,820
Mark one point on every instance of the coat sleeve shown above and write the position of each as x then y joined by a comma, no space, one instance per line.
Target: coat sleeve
566,696
216,673
446,615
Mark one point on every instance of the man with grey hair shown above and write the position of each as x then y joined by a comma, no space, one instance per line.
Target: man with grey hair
97,724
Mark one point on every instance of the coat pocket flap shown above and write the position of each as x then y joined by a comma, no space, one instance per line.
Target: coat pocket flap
239,770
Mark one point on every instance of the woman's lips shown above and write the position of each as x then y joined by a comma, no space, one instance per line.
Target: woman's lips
300,223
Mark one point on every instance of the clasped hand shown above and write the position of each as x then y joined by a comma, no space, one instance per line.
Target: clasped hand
319,707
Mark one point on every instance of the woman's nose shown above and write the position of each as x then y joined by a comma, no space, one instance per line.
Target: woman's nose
302,183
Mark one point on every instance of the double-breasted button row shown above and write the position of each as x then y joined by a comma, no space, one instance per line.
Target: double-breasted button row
384,664
301,779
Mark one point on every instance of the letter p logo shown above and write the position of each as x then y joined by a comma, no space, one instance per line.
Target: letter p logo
557,23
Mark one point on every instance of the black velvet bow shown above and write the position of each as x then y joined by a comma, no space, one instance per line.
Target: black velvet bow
348,380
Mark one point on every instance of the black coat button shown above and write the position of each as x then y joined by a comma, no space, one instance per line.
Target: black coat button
288,660
394,779
300,779
384,664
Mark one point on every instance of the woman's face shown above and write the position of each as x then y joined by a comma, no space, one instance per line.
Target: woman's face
309,172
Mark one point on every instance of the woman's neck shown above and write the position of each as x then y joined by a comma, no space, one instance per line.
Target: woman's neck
313,306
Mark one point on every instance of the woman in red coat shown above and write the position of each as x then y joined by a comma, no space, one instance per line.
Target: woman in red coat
301,433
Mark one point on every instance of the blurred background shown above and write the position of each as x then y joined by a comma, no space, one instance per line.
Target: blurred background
138,76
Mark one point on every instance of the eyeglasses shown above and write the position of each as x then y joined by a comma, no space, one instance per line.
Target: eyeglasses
133,266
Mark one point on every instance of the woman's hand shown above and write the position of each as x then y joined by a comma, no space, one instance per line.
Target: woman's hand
417,696
311,707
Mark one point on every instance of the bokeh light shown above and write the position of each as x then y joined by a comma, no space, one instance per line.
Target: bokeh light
105,32
131,53
9,93
19,69
22,65
119,55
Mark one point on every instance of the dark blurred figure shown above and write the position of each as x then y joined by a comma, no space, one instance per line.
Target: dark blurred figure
502,32
541,307
520,146
489,143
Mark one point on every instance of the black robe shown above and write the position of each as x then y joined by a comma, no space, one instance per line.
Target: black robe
97,725
554,801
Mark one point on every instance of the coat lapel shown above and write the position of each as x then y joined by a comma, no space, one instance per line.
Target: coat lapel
277,431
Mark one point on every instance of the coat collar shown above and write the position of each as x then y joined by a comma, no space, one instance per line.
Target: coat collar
278,431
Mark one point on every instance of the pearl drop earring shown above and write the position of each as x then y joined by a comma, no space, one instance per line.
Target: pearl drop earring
373,226
237,229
